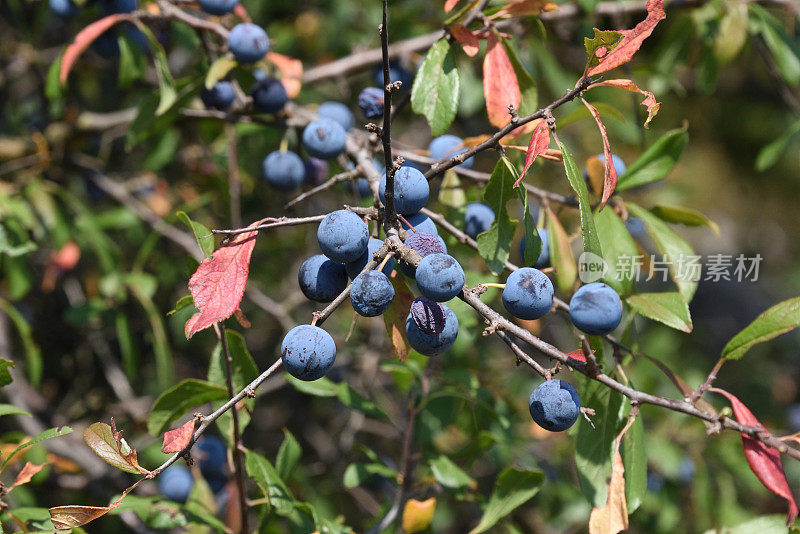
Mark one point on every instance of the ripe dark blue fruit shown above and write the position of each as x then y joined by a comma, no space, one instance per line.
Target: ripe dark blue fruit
361,186
595,309
321,279
619,165
338,112
555,405
371,293
308,352
370,100
248,42
175,483
118,6
324,138
478,217
355,267
218,7
428,315
421,223
396,74
411,190
221,96
269,95
432,345
343,236
316,171
213,456
544,253
63,8
446,146
283,170
439,277
424,244
528,293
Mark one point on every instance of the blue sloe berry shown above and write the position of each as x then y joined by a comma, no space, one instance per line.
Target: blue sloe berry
316,171
528,293
338,112
269,95
321,279
595,309
63,8
343,236
324,138
446,146
248,42
411,190
371,293
175,483
439,277
355,267
220,96
478,217
308,352
370,100
283,170
213,456
555,405
218,7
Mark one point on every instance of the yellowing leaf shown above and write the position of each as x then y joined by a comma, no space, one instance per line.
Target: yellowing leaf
66,517
417,515
613,517
109,445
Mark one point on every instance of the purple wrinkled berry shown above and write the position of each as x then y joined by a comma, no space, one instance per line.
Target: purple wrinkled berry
370,100
428,315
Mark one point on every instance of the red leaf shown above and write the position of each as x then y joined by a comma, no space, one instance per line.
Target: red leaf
291,72
177,439
632,39
609,173
27,473
500,86
449,5
85,38
241,12
469,41
649,99
576,358
540,140
764,461
218,284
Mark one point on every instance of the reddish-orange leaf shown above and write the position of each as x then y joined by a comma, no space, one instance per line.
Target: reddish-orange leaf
291,72
241,12
218,284
85,38
449,5
469,41
609,172
27,473
649,99
177,439
525,8
763,460
540,139
66,517
395,317
576,358
500,85
632,39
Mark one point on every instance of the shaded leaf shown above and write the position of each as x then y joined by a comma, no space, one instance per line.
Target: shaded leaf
449,475
779,319
655,162
264,474
771,153
591,243
5,374
356,474
500,85
495,243
288,455
10,409
436,87
763,460
218,70
649,99
784,51
418,515
687,216
177,439
218,284
540,140
85,38
109,445
33,354
177,400
451,193
631,40
732,34
47,434
667,308
609,172
514,486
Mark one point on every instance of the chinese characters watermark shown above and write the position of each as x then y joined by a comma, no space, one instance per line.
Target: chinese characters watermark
680,268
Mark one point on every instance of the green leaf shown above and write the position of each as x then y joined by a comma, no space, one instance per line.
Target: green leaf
155,512
436,87
513,488
244,371
54,91
449,475
667,308
591,242
656,162
33,354
451,193
594,446
495,243
323,387
112,448
608,39
580,113
166,84
619,250
777,320
47,434
264,474
357,473
771,153
10,409
288,455
686,216
634,459
5,374
676,251
767,524
140,289
784,51
183,302
561,253
218,70
533,242
178,399
527,85
132,65
732,33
